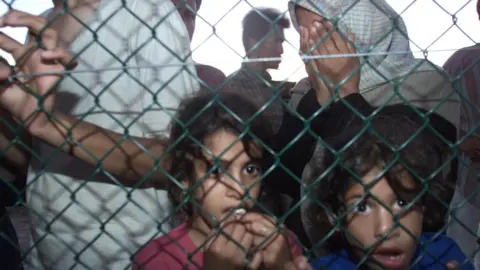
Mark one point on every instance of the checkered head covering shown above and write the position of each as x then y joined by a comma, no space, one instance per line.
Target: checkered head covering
379,31
381,34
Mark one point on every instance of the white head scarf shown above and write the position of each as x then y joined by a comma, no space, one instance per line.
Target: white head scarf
379,31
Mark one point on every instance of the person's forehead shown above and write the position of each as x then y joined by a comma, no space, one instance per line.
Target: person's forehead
373,182
276,32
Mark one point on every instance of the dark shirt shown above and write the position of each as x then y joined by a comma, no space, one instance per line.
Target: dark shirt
433,253
259,88
297,139
11,193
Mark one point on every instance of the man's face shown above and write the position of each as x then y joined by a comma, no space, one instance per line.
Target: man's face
188,11
270,47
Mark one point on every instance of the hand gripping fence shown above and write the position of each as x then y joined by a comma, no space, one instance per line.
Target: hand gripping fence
406,134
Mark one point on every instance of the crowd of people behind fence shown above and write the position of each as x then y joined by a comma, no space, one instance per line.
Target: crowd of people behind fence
370,162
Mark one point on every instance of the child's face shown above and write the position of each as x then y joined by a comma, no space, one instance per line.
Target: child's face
369,222
225,187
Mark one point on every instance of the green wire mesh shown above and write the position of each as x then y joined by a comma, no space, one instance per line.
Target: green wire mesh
339,225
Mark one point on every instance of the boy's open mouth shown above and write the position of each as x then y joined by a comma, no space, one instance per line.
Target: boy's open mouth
391,258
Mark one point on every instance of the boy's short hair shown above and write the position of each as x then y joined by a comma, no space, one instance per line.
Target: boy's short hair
259,22
420,152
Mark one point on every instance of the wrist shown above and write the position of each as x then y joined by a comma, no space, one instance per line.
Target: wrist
348,89
56,131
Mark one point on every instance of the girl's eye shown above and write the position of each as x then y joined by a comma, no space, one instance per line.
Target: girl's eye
401,203
361,207
252,169
214,170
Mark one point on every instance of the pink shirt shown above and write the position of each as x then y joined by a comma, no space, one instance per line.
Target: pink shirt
172,251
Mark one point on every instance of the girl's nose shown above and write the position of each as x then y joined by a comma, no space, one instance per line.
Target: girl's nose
235,188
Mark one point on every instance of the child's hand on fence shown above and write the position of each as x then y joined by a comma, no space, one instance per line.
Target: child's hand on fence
452,265
271,241
227,250
30,91
299,263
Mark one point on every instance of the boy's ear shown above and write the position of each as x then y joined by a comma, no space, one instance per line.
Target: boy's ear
252,44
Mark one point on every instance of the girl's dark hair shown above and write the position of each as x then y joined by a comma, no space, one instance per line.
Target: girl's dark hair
420,153
201,116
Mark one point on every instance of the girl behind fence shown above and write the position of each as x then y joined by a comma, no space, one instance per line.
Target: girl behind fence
218,160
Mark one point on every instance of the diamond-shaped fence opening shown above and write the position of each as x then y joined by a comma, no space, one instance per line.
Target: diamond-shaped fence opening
121,152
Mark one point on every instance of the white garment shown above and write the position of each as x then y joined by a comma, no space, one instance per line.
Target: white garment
81,224
378,30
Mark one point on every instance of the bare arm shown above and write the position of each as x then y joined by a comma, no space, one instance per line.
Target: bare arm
130,158
15,143
14,140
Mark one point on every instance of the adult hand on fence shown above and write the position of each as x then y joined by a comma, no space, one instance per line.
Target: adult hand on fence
227,250
272,242
323,93
335,69
29,96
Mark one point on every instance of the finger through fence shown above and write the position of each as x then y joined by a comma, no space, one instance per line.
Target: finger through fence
120,150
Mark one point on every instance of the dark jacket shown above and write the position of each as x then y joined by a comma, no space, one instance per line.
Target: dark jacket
300,131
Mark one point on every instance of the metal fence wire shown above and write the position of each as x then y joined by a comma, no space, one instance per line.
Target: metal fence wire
134,138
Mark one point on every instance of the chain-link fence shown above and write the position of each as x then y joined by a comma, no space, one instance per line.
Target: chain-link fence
127,154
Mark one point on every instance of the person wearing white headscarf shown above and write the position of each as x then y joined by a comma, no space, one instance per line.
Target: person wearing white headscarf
381,34
389,73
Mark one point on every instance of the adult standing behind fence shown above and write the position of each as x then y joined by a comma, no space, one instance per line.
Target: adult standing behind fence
98,224
263,36
209,77
464,68
389,67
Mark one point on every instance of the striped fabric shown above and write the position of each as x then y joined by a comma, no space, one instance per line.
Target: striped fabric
464,65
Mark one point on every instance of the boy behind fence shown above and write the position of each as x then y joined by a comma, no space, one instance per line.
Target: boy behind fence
377,192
